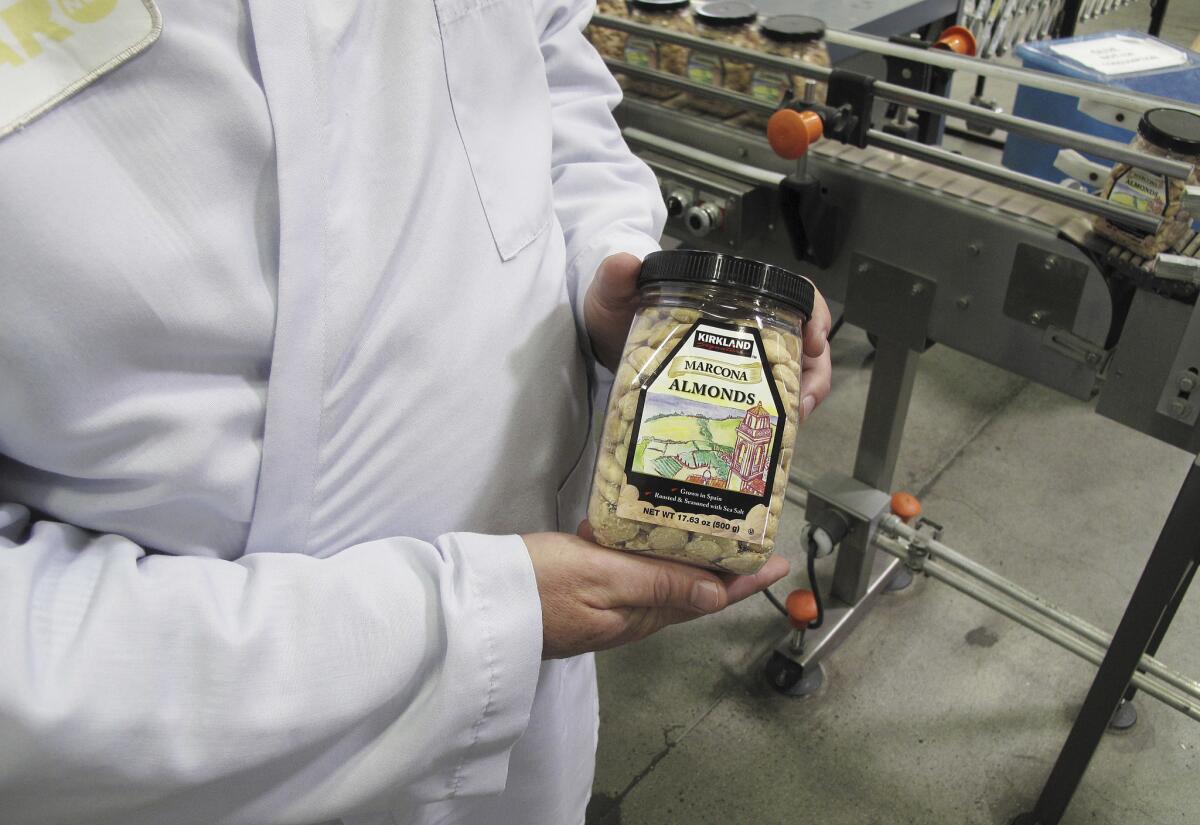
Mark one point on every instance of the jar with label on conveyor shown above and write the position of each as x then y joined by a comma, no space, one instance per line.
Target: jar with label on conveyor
701,423
610,42
651,54
1164,133
795,36
728,21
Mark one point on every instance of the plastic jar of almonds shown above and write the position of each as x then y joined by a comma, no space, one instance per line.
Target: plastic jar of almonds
609,42
794,36
728,21
1164,133
698,437
651,54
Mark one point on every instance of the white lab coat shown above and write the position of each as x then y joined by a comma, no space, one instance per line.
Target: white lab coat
288,357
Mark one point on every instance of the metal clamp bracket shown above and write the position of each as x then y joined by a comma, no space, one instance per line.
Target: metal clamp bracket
1181,268
1077,349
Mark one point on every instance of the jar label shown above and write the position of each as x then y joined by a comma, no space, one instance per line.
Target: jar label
706,437
641,51
1140,190
705,69
769,87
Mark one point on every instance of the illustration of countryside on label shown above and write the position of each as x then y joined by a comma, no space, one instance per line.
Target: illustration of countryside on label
706,432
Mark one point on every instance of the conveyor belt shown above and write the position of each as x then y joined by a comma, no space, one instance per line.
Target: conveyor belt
928,176
1140,271
1071,223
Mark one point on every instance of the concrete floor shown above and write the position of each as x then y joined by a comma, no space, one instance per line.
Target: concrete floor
937,710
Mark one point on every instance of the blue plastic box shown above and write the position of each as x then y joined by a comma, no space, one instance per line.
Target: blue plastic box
1035,157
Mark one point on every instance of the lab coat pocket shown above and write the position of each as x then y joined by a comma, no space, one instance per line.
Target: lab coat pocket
501,103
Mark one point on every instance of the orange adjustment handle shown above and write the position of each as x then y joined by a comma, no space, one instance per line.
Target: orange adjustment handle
906,506
802,608
957,39
790,133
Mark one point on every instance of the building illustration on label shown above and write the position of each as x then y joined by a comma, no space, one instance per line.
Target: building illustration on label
708,423
751,453
728,452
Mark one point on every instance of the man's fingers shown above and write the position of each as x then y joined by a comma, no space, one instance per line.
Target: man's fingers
584,531
629,581
815,382
816,331
739,587
634,582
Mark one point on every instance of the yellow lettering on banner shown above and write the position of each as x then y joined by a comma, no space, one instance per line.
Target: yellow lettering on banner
29,17
8,55
87,11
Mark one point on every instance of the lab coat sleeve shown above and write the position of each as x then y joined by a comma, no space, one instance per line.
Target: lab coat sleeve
144,688
605,198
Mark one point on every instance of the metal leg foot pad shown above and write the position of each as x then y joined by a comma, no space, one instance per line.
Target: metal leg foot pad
902,579
1124,717
791,678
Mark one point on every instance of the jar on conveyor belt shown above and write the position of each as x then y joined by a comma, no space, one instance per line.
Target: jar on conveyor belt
795,36
730,22
698,438
609,42
650,53
1164,133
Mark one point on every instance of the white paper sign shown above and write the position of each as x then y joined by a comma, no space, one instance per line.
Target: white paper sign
50,49
1120,54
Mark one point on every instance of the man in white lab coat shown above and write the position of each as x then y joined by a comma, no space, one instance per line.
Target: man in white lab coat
290,379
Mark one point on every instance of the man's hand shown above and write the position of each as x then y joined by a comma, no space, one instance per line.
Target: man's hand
609,305
612,299
817,369
594,598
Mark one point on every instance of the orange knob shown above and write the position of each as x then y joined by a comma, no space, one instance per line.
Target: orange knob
906,506
790,133
957,39
802,608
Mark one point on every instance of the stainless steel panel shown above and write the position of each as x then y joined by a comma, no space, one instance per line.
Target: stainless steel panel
889,301
1044,290
1154,352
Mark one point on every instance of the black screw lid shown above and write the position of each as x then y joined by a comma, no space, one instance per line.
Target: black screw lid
726,13
1171,129
716,269
660,5
793,28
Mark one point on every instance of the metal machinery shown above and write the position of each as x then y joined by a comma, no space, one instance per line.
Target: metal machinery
1007,270
999,25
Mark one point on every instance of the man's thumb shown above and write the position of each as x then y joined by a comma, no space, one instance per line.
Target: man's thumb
678,587
616,280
